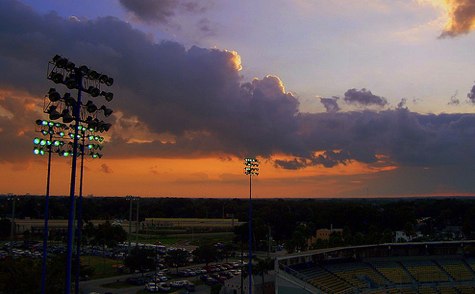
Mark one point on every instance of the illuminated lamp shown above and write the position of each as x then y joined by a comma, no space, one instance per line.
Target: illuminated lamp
53,113
38,151
53,95
57,143
64,153
67,117
107,111
56,77
93,75
36,141
91,107
44,132
108,95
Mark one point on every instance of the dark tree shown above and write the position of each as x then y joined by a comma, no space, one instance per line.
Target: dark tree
206,253
140,259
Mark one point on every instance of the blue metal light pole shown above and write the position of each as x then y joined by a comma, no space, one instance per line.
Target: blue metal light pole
251,168
72,190
45,230
65,72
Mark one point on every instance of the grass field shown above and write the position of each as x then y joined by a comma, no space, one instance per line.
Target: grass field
103,267
192,239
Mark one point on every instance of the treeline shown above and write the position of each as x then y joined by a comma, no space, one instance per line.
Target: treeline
283,216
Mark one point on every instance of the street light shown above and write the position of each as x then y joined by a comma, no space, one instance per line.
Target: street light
251,168
63,71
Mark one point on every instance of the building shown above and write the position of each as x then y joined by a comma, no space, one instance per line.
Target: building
323,234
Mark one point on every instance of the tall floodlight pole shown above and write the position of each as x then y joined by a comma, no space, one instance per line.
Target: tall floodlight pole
137,225
130,198
54,132
251,168
63,71
12,225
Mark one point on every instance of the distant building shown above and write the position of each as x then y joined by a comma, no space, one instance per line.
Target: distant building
36,225
323,234
401,236
197,224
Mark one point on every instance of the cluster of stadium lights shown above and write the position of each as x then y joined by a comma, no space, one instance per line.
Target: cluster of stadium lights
57,106
251,166
57,136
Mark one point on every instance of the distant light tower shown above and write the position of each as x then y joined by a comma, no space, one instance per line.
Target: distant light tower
251,168
131,198
12,198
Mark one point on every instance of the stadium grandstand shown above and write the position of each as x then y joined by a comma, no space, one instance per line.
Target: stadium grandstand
407,268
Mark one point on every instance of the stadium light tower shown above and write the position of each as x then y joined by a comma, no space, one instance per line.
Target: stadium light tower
72,110
131,198
251,168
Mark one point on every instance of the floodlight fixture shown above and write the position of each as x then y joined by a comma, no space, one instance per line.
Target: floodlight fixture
93,91
67,117
70,66
69,100
57,77
93,75
38,151
103,79
53,95
61,62
84,70
91,107
109,82
107,111
108,95
71,81
53,113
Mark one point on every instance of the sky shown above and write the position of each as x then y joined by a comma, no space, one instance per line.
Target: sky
370,98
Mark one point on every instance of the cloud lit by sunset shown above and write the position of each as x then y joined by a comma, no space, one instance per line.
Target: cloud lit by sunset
328,99
460,16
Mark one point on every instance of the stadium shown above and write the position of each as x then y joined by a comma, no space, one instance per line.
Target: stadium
426,268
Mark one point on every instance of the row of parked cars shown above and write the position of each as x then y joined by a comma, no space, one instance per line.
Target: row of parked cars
167,287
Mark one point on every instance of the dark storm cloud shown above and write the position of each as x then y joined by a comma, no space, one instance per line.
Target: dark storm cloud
364,97
197,99
159,11
461,18
330,104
